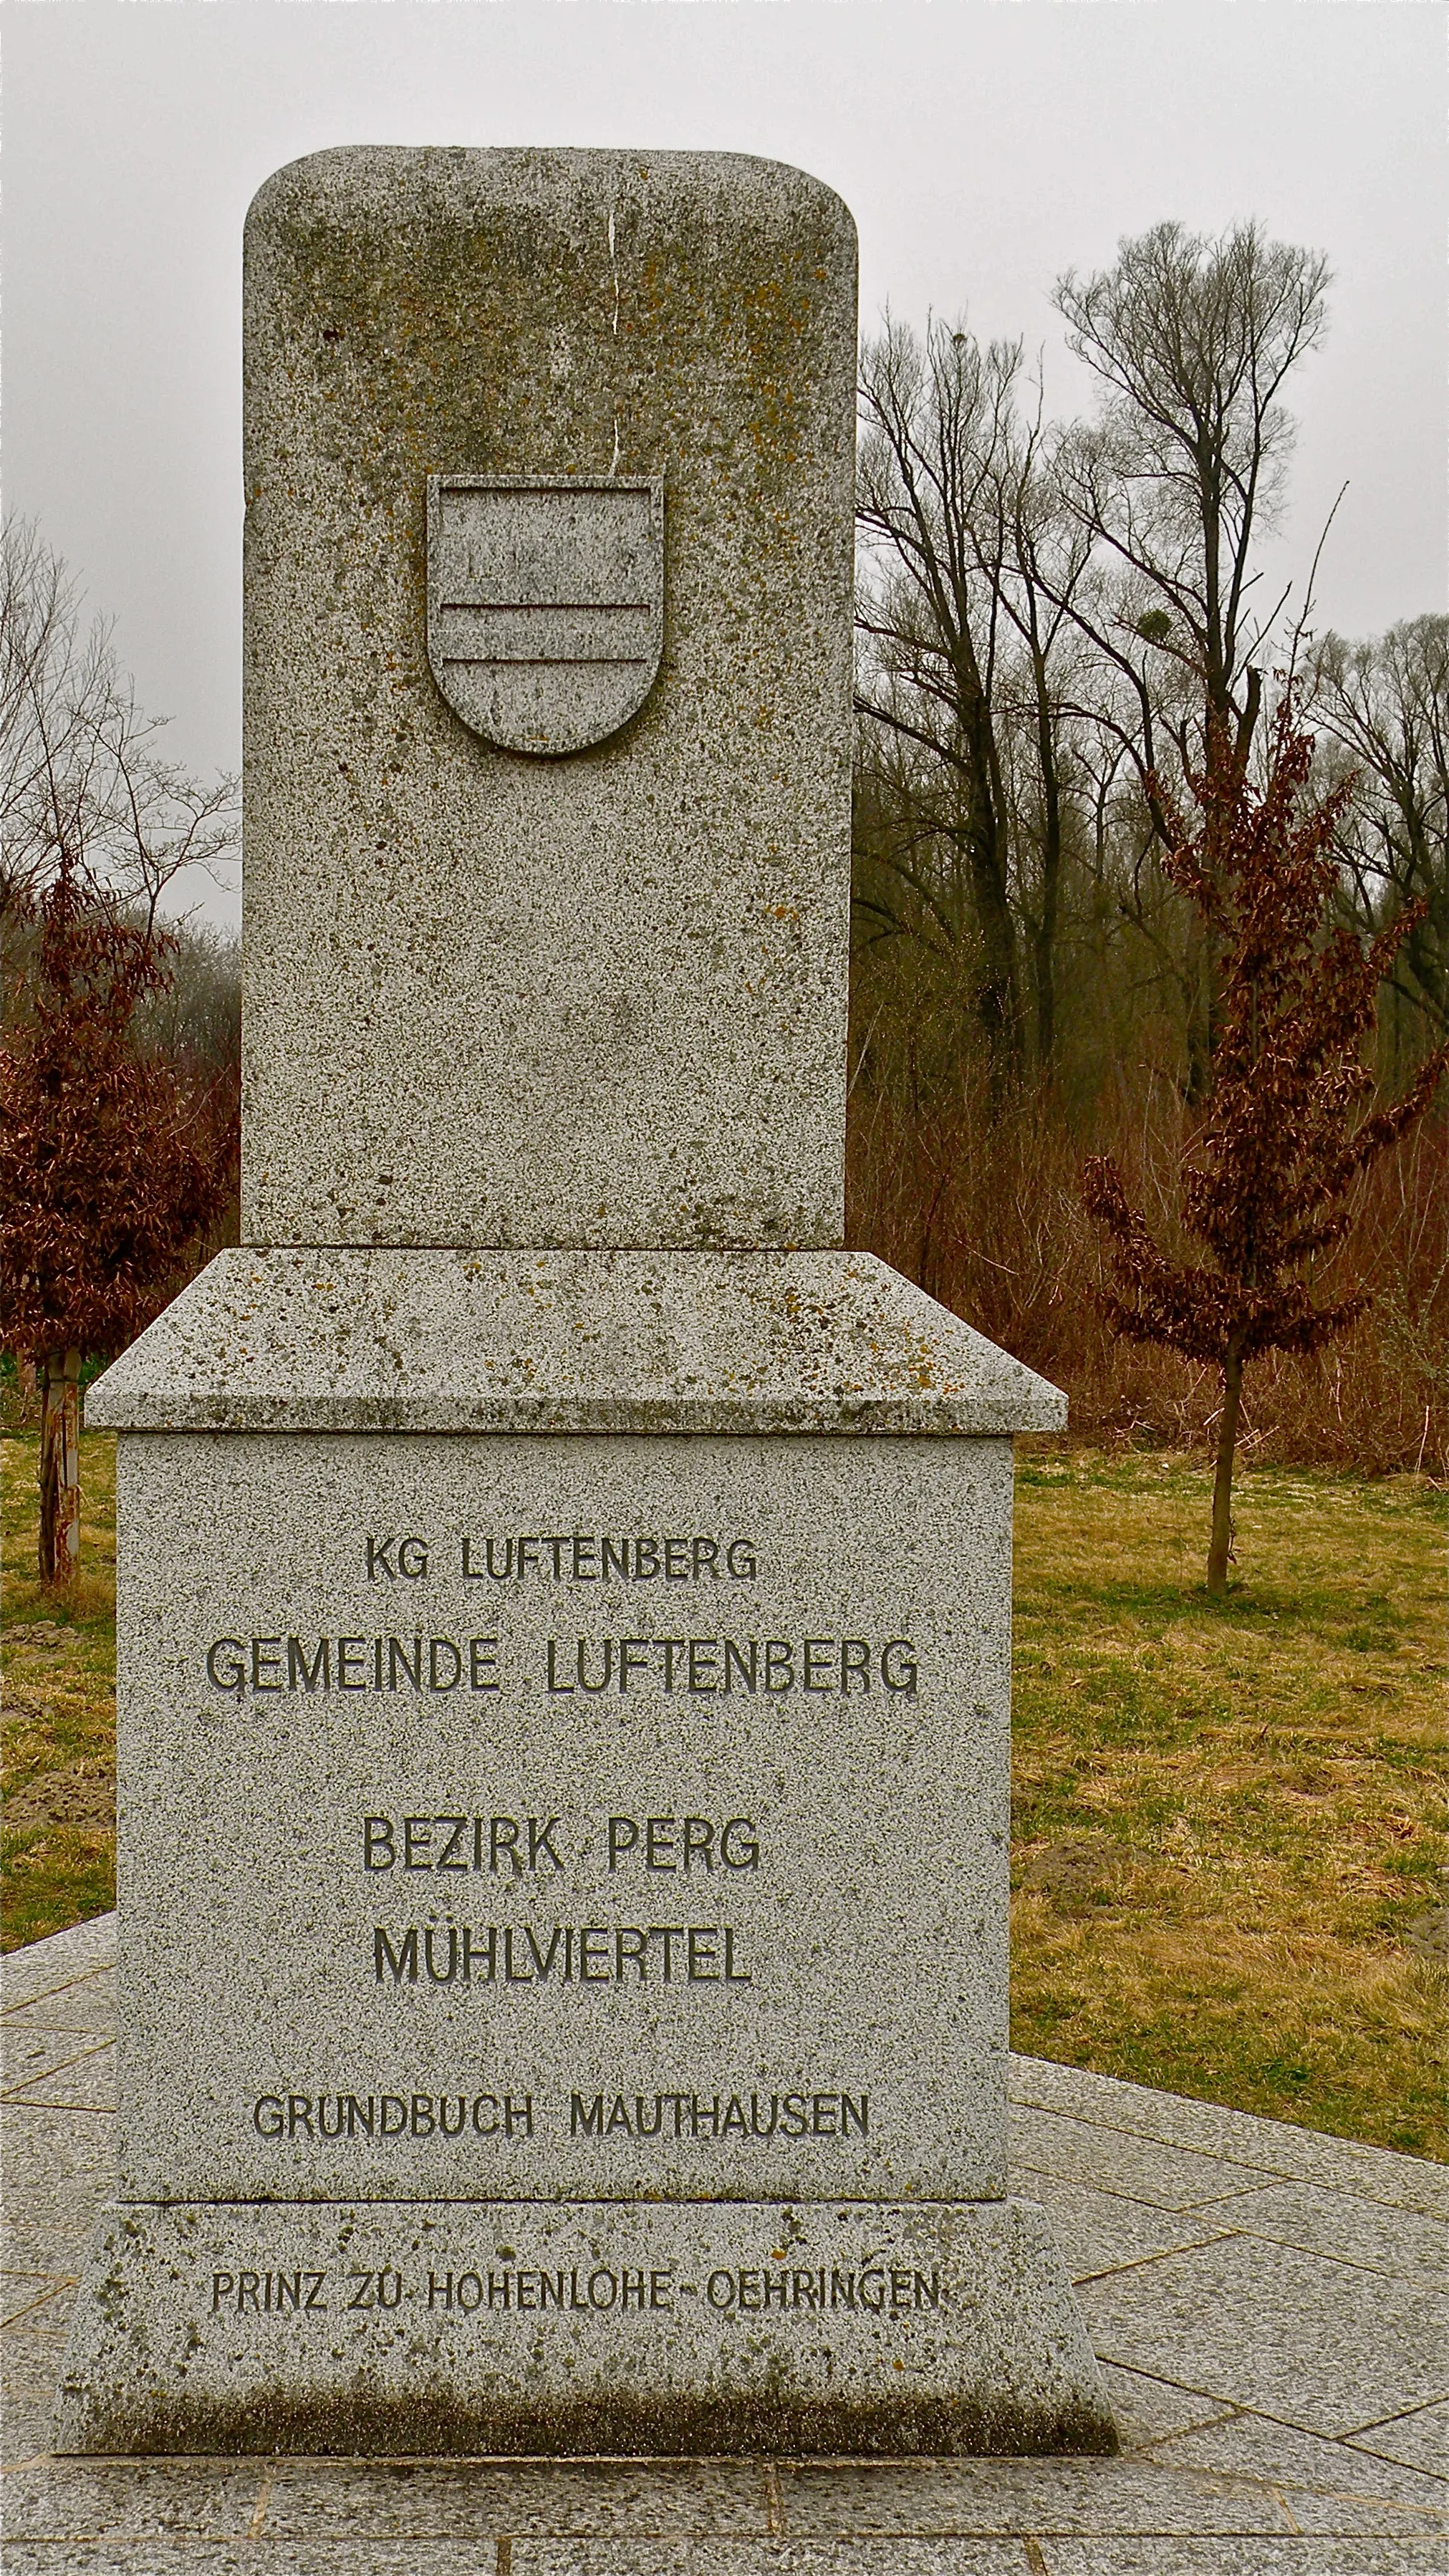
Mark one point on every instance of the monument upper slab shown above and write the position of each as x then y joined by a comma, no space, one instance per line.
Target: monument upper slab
748,1343
548,576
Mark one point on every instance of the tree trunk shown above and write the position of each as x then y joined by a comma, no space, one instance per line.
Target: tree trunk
59,1466
1222,1537
1044,948
1197,988
1044,945
997,998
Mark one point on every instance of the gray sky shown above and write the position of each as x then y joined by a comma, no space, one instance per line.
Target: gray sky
982,146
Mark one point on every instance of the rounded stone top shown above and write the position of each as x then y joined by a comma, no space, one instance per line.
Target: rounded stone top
352,182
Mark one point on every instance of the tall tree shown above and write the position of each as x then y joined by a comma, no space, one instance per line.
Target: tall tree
1175,483
933,420
961,637
1184,470
1037,561
1268,1173
1385,702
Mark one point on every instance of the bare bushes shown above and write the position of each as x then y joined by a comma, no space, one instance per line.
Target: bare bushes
984,1210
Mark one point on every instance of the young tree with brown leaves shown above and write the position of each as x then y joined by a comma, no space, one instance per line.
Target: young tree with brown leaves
1269,1172
105,1175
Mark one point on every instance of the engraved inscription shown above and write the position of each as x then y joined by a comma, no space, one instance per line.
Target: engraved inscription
804,2113
702,1666
589,1954
772,2286
477,1668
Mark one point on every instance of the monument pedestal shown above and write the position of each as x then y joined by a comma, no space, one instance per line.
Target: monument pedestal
563,1907
497,2327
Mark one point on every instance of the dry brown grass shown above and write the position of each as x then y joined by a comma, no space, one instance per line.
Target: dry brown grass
986,1213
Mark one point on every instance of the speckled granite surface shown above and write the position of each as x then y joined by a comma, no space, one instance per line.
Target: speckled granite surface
1266,2302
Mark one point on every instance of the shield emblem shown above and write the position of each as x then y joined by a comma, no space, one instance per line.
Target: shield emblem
545,605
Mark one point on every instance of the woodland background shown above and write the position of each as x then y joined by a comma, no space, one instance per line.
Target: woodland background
1050,617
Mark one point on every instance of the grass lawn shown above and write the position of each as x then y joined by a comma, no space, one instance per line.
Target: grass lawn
58,1776
1228,1817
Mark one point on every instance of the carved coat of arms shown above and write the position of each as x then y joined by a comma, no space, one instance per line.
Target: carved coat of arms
545,604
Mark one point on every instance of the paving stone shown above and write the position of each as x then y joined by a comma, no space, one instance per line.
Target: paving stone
1421,2439
44,1967
430,2499
132,2499
1009,2496
193,2554
1347,2517
58,2165
1275,2146
86,2083
1287,2333
1344,2225
30,2052
1216,2556
30,2359
1099,2231
89,2004
1175,2119
1372,2173
1254,2446
47,2298
1146,2408
1302,2556
774,2557
1165,2177
27,2256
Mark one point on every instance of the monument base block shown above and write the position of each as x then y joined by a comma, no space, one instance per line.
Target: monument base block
495,2327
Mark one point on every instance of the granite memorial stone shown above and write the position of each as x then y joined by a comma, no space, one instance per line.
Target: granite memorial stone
564,1599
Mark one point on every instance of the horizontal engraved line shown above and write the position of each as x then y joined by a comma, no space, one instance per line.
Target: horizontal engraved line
542,607
545,661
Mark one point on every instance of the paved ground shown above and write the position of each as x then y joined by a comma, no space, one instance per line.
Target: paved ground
1267,2304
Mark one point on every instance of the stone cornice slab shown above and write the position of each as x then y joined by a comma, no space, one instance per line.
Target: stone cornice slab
315,1339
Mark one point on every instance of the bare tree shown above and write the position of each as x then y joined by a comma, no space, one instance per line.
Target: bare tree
1385,702
933,419
1185,468
1037,558
1175,483
961,637
57,686
82,773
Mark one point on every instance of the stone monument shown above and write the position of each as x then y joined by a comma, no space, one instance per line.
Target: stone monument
564,1632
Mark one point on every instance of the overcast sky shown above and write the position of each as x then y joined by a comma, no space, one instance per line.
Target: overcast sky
982,146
